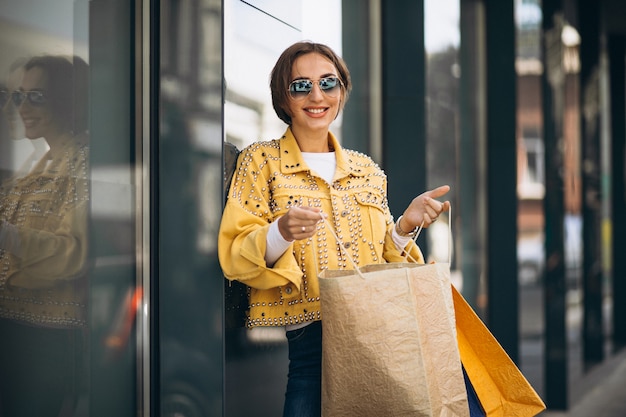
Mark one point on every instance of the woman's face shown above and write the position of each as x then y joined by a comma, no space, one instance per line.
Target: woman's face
35,108
316,110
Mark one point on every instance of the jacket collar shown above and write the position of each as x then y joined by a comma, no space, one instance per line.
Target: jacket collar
292,160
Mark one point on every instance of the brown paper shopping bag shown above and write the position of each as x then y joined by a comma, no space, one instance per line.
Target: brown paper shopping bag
389,344
499,384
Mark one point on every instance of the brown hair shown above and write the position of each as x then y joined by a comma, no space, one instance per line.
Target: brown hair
68,84
281,75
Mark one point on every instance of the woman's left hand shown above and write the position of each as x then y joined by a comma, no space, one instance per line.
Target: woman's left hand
425,207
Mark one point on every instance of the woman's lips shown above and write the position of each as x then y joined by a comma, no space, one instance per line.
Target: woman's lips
316,111
29,122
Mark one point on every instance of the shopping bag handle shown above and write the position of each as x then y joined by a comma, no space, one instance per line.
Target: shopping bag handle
419,229
343,249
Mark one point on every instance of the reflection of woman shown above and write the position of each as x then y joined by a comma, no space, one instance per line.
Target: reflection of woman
271,236
43,243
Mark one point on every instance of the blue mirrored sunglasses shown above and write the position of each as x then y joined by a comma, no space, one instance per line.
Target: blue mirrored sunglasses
303,87
36,98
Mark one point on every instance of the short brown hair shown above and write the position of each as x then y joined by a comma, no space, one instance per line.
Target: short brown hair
68,86
281,75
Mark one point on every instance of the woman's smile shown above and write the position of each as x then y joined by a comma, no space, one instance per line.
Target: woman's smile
316,111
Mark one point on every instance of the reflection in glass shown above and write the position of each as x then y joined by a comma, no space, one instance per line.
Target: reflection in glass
43,239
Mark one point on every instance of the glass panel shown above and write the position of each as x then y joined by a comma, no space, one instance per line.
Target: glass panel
256,360
190,342
530,189
442,38
67,216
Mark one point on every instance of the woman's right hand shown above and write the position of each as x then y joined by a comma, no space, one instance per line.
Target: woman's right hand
425,209
299,223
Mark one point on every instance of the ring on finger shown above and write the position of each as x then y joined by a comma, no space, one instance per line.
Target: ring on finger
303,229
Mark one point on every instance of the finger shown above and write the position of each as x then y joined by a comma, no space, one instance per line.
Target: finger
438,192
304,232
439,207
428,219
310,212
431,212
308,215
436,205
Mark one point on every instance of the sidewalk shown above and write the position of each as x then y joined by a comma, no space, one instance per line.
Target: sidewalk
602,395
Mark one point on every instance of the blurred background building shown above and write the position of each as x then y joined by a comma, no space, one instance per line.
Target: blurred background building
519,105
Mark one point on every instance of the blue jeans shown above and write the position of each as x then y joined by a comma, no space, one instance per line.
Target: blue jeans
304,384
476,409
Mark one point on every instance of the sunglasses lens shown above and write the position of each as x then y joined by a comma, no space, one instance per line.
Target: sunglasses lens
17,97
4,98
36,97
300,88
327,84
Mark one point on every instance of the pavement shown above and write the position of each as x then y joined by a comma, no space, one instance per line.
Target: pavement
599,391
601,394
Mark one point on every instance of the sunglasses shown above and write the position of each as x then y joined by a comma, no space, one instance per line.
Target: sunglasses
299,89
36,98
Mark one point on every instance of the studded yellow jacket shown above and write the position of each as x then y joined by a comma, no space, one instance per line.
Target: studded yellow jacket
44,241
270,178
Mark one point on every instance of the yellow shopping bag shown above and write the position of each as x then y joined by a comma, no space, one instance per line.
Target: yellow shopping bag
499,384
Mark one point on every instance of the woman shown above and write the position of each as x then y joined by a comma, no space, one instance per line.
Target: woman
43,245
272,237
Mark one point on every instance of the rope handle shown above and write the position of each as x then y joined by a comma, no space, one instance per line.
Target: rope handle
408,255
343,249
419,229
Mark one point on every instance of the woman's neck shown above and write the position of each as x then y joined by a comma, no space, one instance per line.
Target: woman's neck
314,142
58,142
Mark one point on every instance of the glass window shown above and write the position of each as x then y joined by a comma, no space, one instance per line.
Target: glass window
532,163
68,282
443,71
530,186
187,340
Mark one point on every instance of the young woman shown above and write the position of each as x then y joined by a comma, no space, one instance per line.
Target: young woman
272,237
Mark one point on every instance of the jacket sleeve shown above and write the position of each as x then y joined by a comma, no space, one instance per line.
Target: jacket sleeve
45,257
411,253
243,232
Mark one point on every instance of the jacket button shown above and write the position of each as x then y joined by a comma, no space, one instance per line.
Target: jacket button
344,213
346,245
288,290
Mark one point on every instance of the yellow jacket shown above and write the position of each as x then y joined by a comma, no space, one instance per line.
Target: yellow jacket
270,178
43,256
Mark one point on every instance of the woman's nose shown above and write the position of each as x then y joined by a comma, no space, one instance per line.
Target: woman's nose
316,93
